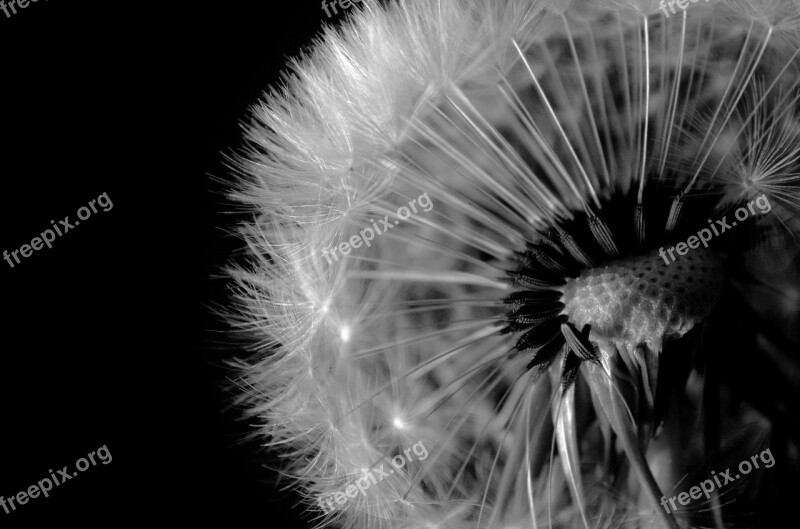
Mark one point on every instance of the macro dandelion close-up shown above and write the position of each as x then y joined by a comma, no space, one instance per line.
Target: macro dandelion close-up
527,263
400,264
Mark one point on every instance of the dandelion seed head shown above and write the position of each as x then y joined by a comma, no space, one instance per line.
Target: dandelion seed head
561,145
644,299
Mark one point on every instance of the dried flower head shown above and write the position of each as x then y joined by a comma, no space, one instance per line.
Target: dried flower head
566,322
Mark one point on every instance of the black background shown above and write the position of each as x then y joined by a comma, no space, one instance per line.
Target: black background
107,337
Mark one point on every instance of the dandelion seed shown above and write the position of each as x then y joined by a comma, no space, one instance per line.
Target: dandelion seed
553,364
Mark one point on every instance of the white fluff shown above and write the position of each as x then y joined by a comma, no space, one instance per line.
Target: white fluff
419,96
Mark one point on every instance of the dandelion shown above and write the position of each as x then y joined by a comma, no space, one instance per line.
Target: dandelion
525,329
